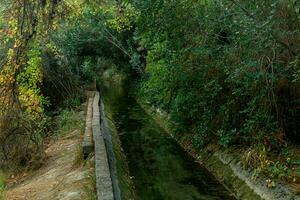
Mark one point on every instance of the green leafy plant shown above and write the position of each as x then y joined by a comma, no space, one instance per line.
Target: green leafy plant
68,121
2,185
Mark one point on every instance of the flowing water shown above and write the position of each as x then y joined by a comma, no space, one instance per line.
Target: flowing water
160,168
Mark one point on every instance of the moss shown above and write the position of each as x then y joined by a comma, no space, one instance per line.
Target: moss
79,157
2,185
225,174
90,187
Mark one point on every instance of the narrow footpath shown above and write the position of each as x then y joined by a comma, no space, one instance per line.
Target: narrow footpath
59,178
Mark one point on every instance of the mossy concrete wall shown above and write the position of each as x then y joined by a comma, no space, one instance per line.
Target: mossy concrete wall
103,176
110,151
120,163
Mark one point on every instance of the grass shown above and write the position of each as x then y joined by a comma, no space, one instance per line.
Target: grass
90,188
79,158
67,121
2,185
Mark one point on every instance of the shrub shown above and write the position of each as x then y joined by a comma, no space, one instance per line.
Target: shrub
222,71
2,185
67,121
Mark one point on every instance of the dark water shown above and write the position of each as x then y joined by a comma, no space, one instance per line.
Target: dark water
161,169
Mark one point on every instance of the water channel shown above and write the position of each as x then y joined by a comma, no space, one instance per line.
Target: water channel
160,168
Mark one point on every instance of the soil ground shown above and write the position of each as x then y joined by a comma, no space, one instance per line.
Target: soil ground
59,178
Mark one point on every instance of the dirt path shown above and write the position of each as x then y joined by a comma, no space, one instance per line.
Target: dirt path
58,179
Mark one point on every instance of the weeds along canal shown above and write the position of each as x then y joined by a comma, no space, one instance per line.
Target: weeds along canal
159,167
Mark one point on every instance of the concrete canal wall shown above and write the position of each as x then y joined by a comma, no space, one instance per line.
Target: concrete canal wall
95,138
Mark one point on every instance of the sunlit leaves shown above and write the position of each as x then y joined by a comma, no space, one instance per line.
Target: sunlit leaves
124,19
26,26
29,82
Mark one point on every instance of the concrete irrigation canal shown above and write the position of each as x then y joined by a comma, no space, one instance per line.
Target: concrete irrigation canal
158,167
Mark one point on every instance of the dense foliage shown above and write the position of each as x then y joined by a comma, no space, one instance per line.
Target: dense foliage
225,71
21,110
26,87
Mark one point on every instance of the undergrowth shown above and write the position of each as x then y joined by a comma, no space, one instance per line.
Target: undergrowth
79,157
283,165
68,121
2,185
90,187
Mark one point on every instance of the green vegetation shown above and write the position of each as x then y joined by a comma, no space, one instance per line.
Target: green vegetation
35,80
90,189
2,185
225,72
68,121
79,157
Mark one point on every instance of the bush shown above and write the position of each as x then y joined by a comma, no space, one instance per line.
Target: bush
2,185
223,72
67,121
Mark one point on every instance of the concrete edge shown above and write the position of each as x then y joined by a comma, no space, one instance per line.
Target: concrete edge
88,143
110,152
259,186
103,177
